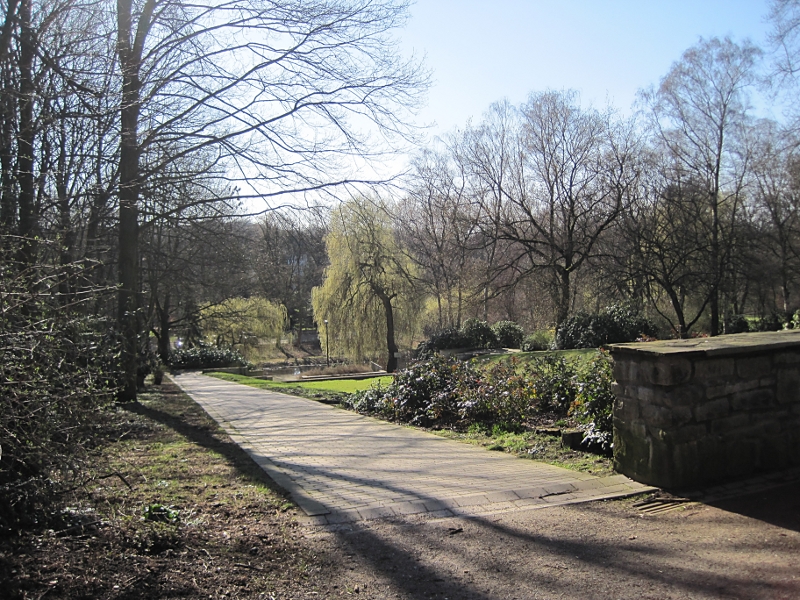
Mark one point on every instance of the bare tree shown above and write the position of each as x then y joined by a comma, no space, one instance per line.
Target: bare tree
439,228
700,115
662,242
279,90
775,212
289,260
553,178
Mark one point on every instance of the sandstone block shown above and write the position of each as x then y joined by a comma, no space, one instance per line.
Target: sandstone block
686,464
657,416
686,434
626,408
625,369
770,426
753,367
732,388
788,386
681,415
714,409
742,458
686,395
731,423
788,358
632,455
755,399
713,458
669,370
714,369
776,450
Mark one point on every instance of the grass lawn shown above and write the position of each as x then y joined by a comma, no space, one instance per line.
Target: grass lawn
537,446
339,386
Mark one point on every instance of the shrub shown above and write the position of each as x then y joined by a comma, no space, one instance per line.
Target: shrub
736,324
423,394
445,339
206,357
618,323
773,322
478,334
58,368
538,341
594,402
501,395
444,392
508,334
555,380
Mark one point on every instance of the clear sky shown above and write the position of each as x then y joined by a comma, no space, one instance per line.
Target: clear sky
484,51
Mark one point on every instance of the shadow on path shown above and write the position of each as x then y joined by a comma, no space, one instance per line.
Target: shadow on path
778,506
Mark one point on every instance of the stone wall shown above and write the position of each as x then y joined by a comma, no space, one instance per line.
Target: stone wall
696,412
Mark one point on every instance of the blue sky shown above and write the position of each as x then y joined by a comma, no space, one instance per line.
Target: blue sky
481,51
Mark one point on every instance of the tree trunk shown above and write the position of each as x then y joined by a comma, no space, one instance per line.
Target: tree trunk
130,52
391,345
8,200
564,296
163,329
25,141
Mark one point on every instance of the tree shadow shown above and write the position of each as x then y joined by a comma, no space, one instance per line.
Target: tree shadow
417,560
778,506
198,427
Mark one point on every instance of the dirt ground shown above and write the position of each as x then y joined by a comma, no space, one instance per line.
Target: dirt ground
223,530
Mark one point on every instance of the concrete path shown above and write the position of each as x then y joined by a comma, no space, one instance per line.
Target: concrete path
340,466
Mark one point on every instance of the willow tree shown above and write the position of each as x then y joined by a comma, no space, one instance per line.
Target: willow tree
241,320
367,295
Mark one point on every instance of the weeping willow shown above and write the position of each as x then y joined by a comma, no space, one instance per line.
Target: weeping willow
243,321
367,295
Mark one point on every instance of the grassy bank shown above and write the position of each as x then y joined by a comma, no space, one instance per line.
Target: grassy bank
582,355
173,508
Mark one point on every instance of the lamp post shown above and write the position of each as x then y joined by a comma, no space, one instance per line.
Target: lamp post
327,347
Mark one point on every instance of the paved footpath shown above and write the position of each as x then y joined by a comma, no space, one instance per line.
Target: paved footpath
340,466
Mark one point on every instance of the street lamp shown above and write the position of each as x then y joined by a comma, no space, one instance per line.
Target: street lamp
327,347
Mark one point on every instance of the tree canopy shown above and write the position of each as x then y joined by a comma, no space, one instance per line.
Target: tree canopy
367,298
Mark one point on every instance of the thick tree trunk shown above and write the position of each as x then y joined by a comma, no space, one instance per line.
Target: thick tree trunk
8,115
129,237
391,345
163,329
28,218
563,297
8,200
130,47
66,285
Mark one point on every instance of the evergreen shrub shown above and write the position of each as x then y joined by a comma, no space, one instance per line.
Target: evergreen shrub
616,324
537,341
478,334
206,357
508,334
